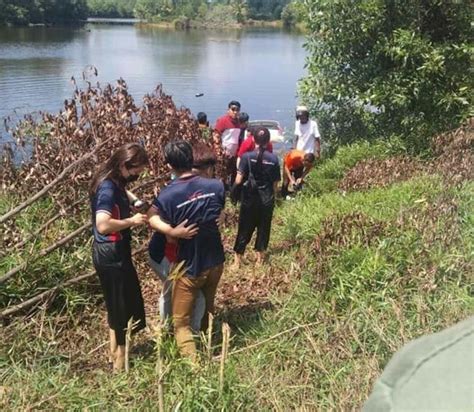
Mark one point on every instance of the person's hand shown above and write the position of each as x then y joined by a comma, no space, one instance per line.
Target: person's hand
299,181
185,232
138,219
318,154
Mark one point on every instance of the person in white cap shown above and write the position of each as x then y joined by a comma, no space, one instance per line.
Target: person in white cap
307,137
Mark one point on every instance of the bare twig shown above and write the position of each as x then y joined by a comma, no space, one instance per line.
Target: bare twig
159,368
128,339
268,339
225,351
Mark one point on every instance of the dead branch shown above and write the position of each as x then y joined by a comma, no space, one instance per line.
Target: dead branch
52,184
45,252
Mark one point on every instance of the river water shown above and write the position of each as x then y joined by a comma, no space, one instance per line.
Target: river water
258,67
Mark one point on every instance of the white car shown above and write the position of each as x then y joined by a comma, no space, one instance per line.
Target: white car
276,131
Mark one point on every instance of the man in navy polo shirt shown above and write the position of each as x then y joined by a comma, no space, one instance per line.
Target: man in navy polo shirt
200,201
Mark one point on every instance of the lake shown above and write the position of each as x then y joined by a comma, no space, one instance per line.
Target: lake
258,67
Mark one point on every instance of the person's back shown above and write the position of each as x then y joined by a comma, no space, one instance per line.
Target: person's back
265,175
294,159
200,201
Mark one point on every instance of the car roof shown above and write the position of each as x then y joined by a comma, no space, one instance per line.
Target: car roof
264,123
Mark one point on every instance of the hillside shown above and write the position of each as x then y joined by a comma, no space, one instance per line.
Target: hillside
376,251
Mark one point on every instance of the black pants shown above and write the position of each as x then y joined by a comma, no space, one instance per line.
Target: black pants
254,216
120,286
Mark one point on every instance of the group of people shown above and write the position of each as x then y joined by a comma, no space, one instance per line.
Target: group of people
185,222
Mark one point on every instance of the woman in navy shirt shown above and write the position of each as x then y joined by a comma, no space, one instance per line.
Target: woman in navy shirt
111,222
259,172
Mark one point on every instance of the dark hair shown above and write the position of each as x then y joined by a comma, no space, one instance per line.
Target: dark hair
233,103
130,155
243,117
202,118
261,137
179,155
309,157
203,156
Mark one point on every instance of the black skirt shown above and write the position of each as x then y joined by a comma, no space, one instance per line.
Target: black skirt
120,286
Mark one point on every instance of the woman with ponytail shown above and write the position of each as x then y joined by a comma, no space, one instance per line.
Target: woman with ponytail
259,173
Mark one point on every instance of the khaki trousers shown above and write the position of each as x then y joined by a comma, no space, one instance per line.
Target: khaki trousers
185,291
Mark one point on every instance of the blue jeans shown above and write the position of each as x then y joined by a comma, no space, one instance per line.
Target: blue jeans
162,270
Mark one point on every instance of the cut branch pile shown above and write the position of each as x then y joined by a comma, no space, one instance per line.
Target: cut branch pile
63,151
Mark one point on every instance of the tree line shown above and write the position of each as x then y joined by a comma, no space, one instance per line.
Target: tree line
22,12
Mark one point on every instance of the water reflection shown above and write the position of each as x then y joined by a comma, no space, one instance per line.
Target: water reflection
258,67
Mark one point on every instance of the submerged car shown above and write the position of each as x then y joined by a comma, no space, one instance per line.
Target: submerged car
276,131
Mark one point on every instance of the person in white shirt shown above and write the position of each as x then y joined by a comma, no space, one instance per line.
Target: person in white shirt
307,137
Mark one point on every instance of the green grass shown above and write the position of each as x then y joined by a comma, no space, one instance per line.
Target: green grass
367,272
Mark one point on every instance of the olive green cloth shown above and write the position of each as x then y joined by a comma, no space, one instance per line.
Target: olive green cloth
432,373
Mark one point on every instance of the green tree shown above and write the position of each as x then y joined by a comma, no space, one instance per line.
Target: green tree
293,13
240,10
378,68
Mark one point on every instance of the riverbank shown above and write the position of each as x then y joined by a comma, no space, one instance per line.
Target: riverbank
205,25
377,250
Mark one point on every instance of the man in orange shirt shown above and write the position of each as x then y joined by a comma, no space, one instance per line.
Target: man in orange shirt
296,165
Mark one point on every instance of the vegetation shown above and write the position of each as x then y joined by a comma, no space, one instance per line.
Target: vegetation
370,255
111,8
293,14
20,12
379,69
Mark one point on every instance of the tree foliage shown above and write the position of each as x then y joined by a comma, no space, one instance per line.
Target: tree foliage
266,9
293,13
380,68
111,8
41,11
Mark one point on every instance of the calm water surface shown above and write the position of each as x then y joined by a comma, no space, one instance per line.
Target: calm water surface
258,67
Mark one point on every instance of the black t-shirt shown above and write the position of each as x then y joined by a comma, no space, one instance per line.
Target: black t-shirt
201,201
266,174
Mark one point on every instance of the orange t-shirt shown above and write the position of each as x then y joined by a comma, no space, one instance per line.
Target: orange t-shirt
294,159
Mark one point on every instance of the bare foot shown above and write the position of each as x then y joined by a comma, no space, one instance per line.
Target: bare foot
260,258
119,361
237,261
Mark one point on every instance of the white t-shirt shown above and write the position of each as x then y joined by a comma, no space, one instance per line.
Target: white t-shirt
307,134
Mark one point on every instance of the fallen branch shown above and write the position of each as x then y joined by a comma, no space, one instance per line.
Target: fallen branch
41,229
53,183
254,345
43,296
45,252
11,310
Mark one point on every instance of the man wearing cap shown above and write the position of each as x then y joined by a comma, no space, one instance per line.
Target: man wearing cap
307,137
226,139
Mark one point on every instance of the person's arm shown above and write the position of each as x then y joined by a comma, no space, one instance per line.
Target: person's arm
317,144
288,174
305,173
105,224
239,178
181,231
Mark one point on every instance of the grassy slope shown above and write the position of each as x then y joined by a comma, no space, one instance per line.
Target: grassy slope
352,277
